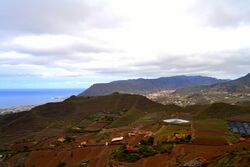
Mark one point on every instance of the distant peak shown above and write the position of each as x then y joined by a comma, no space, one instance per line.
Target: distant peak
247,76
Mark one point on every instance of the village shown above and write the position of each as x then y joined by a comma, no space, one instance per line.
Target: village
170,97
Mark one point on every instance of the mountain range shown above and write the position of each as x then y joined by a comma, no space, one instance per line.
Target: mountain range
144,86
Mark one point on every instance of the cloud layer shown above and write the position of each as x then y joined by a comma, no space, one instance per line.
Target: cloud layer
223,13
57,16
76,43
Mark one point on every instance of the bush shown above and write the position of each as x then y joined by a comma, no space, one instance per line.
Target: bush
132,157
164,148
121,155
244,135
231,138
188,138
68,139
147,141
146,150
70,130
61,164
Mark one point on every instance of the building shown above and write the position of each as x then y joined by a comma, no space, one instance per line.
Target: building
116,139
131,148
82,144
61,139
131,134
176,121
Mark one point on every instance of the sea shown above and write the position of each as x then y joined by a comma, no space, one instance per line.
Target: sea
10,98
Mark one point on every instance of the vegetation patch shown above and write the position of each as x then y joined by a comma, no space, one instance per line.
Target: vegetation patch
68,139
218,125
100,118
231,138
72,130
61,164
129,117
147,141
136,152
164,148
210,132
121,154
233,159
173,134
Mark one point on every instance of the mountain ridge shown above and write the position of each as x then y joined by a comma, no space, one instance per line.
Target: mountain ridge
239,85
143,86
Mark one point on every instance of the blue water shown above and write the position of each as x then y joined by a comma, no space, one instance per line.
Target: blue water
23,97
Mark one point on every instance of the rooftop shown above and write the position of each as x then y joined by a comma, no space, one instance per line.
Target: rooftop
176,121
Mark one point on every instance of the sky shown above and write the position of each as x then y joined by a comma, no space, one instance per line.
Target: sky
76,43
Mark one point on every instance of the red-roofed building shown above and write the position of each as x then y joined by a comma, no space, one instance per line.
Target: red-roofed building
242,139
131,148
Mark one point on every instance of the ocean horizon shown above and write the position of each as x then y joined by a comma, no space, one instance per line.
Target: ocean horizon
10,98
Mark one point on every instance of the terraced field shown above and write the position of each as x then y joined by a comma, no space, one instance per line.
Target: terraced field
210,132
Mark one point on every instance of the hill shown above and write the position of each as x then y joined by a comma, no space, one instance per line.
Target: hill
217,111
240,85
144,86
52,134
123,109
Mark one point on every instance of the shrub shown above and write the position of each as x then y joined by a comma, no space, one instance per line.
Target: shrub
121,155
231,138
188,138
68,139
70,130
164,148
61,164
146,150
244,135
147,141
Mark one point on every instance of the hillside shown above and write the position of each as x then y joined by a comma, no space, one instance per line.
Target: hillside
240,85
54,134
144,86
124,108
217,111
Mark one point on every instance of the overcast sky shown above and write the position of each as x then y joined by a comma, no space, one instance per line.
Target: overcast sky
75,43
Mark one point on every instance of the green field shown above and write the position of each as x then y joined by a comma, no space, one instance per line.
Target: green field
167,130
217,125
210,131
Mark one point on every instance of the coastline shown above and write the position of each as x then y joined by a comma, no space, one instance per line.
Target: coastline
21,100
17,109
23,108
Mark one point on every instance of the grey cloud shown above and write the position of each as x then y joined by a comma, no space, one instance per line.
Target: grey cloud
67,50
222,13
48,61
224,64
57,16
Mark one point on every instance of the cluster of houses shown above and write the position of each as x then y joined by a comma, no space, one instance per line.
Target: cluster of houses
117,139
242,128
138,135
143,133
